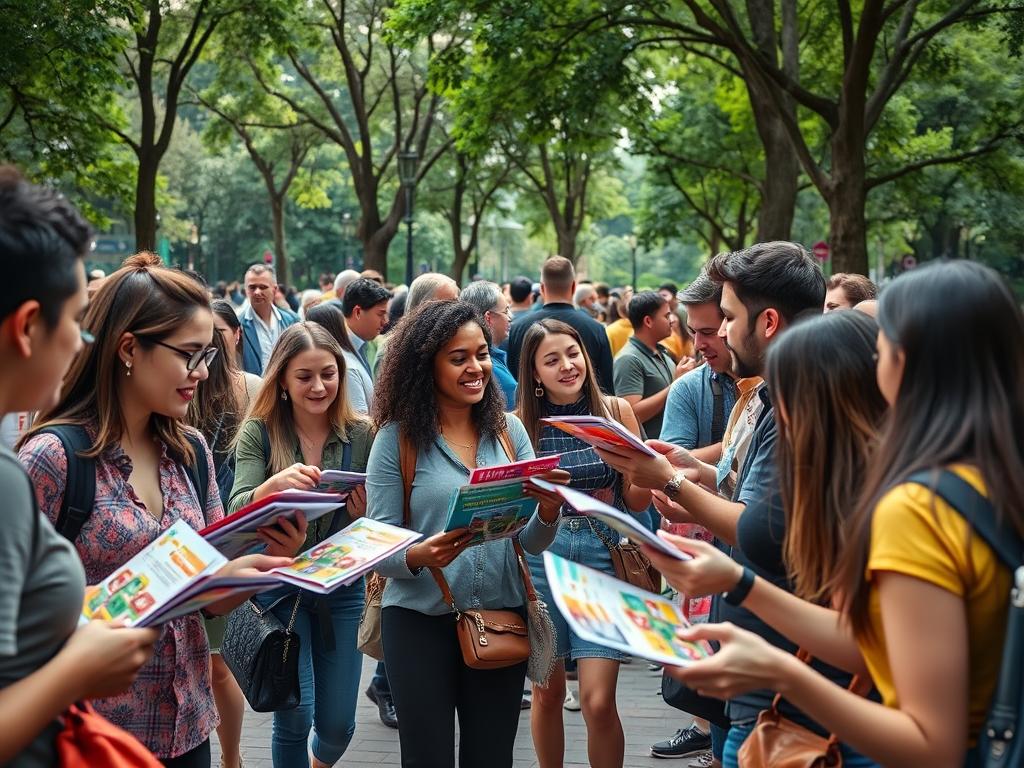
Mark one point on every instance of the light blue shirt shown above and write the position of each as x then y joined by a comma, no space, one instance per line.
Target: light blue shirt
689,409
483,576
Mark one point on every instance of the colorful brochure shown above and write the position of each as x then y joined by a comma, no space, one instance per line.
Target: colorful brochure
599,432
496,508
625,524
347,555
173,576
338,481
236,535
603,610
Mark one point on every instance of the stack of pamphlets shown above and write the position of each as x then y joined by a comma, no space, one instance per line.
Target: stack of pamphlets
494,505
624,524
603,610
599,432
236,535
177,573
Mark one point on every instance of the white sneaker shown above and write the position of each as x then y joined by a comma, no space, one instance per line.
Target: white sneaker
571,703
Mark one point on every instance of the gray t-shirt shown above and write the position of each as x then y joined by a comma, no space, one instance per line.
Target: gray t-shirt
41,599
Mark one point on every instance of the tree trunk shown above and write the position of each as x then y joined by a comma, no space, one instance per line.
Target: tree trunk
567,242
145,204
460,258
280,252
375,249
846,199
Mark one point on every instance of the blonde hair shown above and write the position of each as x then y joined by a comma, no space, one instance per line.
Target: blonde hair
276,413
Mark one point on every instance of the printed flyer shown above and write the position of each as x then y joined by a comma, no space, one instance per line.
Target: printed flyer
599,432
340,482
612,613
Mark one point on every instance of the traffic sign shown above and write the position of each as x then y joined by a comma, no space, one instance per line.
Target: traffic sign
820,250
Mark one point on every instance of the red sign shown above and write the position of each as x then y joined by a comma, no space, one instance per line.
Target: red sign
820,250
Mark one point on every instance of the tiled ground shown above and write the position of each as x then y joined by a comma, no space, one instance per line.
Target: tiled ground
645,719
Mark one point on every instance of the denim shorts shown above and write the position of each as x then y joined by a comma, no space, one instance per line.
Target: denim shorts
576,541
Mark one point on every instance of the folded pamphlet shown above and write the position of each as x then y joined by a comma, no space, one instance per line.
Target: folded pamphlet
338,481
236,535
603,610
624,524
494,505
599,432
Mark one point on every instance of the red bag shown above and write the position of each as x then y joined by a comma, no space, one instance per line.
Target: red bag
89,740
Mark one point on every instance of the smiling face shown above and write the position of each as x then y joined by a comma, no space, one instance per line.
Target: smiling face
462,368
560,368
160,380
704,322
311,381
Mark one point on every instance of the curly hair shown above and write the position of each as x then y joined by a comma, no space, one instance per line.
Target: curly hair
405,392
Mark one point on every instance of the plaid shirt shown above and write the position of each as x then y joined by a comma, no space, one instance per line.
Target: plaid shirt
170,707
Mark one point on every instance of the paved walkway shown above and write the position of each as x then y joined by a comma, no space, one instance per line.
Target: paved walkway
645,720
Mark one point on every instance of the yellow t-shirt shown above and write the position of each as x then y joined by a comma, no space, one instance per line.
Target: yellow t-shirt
938,546
618,334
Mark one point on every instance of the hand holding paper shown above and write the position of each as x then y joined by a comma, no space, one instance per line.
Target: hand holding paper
707,570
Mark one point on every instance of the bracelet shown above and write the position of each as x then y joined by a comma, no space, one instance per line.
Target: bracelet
554,523
738,594
672,487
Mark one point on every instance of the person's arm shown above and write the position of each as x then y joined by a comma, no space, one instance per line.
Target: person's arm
354,388
646,408
385,496
251,480
926,727
679,424
629,385
538,534
709,455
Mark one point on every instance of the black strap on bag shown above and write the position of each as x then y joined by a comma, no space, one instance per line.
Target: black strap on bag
80,485
717,410
998,745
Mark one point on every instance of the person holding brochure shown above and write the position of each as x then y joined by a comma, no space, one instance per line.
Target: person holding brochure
130,391
300,423
557,379
46,664
451,423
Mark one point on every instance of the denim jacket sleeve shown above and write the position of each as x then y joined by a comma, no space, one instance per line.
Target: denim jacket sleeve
681,425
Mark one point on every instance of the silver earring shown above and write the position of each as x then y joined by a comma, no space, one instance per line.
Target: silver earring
284,394
128,365
539,391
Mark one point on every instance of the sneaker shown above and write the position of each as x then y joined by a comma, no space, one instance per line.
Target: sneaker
527,701
572,704
703,760
689,742
654,668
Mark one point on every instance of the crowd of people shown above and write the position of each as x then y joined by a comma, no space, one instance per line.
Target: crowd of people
800,424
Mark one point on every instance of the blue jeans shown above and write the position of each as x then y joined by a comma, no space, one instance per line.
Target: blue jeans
329,679
739,733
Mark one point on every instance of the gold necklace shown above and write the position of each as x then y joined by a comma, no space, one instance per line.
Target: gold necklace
459,445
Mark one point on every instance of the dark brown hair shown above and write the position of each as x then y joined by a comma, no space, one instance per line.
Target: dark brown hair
833,411
557,274
531,409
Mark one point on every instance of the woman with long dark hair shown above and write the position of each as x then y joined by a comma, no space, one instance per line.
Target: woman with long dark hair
922,599
453,420
557,379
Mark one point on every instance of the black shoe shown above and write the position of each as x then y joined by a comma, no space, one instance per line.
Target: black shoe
686,743
385,706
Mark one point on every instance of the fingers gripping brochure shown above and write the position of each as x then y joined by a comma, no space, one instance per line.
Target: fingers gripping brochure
494,505
626,525
612,613
599,432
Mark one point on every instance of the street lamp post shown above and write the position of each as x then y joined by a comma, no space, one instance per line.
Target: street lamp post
408,162
348,232
632,243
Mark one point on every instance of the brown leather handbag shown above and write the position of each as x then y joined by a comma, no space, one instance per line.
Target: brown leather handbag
777,742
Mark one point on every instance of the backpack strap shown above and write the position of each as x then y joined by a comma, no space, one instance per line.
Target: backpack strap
80,483
717,409
199,471
265,438
978,511
407,462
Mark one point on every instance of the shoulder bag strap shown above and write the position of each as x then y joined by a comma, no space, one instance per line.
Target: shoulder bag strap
198,472
80,482
717,411
407,463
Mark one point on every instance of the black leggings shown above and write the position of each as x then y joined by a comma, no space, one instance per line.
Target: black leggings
194,758
430,683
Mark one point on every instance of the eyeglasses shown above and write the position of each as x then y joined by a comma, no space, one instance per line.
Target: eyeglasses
507,312
192,359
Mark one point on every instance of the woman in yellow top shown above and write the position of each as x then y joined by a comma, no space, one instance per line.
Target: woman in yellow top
924,600
620,329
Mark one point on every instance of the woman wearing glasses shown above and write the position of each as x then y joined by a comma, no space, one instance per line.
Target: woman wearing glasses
131,390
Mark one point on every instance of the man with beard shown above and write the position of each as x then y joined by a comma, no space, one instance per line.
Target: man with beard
765,289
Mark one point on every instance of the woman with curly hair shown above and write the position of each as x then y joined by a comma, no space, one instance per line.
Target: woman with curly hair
453,420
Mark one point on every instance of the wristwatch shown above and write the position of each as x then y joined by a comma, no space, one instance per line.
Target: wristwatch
672,486
738,594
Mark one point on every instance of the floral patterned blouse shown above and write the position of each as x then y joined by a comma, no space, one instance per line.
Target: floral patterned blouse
170,707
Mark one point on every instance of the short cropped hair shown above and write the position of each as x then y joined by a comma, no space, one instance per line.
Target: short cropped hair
672,288
557,274
644,304
856,287
520,289
703,290
42,238
779,275
363,293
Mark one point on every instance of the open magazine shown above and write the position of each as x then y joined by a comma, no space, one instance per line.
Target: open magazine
339,481
599,432
493,504
612,613
624,524
236,535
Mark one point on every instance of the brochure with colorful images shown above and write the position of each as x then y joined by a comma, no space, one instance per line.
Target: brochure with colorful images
603,610
344,557
599,432
625,524
497,508
338,481
173,576
236,534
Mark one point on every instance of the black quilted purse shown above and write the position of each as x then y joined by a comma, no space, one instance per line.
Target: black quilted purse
263,655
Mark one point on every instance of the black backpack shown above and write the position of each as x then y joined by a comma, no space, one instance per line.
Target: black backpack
998,745
80,487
